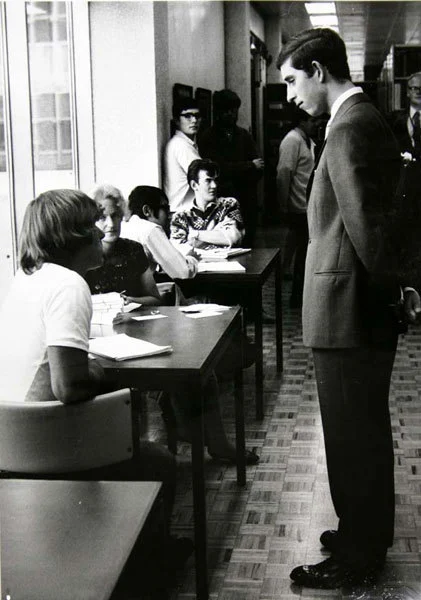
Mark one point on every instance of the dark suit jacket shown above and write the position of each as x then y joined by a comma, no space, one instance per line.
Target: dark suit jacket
399,125
348,278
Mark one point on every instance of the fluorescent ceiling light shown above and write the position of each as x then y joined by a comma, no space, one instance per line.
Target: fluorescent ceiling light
320,8
324,20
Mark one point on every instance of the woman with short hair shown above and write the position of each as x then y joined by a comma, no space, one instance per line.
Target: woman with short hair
125,268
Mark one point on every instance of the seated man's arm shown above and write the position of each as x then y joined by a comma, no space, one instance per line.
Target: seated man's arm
74,378
225,233
169,258
229,231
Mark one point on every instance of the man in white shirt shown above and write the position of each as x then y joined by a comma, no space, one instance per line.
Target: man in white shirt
149,209
180,151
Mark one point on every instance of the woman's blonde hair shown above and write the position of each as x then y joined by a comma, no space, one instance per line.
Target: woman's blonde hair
105,191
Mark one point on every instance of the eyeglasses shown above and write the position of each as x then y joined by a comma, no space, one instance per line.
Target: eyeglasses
189,116
414,88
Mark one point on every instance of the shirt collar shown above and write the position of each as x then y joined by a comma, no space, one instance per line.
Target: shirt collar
210,205
339,101
413,110
185,137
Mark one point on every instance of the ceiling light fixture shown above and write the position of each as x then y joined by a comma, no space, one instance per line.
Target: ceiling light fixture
320,8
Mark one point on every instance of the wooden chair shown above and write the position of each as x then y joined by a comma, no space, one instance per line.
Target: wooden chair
51,437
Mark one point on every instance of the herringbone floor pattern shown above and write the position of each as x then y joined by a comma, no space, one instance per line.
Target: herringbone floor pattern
257,534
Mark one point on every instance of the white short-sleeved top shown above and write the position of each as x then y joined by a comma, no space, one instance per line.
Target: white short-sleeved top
50,307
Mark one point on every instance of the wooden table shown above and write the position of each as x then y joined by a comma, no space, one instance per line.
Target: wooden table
199,345
69,540
246,287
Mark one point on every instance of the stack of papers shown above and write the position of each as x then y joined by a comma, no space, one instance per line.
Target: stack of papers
123,347
222,266
216,254
105,307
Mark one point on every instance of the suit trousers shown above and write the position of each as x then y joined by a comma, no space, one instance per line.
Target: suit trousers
353,387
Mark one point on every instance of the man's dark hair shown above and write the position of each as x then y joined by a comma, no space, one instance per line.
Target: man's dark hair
321,44
182,105
225,99
146,195
202,164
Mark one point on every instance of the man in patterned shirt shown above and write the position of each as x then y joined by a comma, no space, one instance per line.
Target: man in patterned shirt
212,222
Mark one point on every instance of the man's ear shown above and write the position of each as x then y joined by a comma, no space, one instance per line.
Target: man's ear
146,210
319,70
193,184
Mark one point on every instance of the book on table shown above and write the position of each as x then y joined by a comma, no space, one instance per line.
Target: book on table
123,347
223,266
215,254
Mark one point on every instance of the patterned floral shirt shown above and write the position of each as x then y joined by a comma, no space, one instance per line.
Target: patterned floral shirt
224,213
122,270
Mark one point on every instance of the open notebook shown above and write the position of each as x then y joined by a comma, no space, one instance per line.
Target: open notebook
124,347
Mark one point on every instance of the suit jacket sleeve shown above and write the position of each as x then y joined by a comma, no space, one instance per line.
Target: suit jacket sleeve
355,171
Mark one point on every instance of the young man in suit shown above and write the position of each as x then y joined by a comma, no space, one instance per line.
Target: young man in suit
349,289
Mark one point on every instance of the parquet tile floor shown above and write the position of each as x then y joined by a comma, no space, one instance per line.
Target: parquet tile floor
257,534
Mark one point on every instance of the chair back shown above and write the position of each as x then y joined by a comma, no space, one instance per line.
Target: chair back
51,437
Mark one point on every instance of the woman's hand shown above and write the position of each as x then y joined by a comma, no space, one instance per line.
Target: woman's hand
121,318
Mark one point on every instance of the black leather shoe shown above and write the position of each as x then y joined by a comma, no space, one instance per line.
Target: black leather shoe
331,574
251,458
329,539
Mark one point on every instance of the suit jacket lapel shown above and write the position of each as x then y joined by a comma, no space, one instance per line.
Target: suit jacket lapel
356,98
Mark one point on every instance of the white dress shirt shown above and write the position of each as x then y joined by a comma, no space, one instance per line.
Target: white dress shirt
179,153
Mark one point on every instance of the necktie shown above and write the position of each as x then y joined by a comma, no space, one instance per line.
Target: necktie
416,134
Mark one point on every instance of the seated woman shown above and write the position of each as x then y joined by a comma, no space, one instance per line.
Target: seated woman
149,209
125,268
122,271
45,320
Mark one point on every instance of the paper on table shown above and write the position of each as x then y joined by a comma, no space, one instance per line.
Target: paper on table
105,307
123,347
149,317
224,266
193,308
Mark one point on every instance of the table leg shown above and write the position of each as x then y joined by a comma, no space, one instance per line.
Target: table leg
278,316
258,338
239,427
199,496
